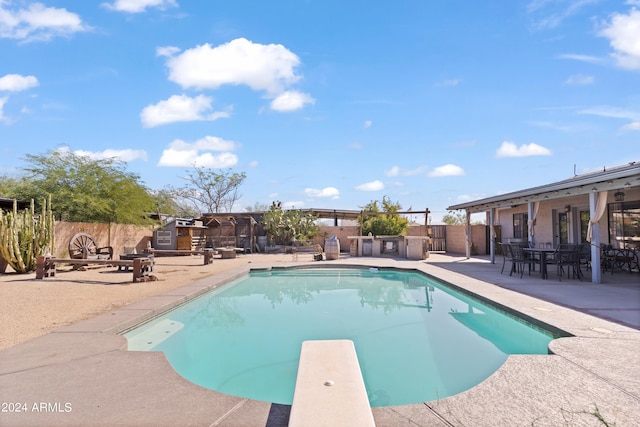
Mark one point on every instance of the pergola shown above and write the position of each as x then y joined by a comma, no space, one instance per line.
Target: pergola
596,185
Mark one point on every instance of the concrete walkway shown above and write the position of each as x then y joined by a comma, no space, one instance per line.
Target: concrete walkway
82,374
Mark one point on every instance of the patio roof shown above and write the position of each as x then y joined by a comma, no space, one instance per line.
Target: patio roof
611,179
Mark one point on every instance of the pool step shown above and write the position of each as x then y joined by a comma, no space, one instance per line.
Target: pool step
329,387
153,336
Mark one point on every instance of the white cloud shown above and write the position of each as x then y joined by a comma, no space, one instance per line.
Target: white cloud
138,6
367,124
579,79
449,82
447,170
371,186
293,204
555,12
509,149
167,51
180,108
17,83
632,126
332,192
269,68
3,118
581,58
253,164
291,100
623,32
612,112
398,171
126,155
185,154
38,23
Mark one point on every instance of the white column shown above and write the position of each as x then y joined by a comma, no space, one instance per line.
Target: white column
468,234
492,234
530,217
596,273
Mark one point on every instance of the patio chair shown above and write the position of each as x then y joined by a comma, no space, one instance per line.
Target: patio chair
585,256
506,254
568,255
519,259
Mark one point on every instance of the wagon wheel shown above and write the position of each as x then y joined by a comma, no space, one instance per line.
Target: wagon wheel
80,245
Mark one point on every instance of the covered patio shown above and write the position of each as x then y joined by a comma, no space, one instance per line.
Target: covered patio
597,208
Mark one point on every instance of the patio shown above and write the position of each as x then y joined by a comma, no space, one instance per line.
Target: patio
83,376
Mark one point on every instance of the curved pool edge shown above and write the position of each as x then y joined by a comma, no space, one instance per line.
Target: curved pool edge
118,386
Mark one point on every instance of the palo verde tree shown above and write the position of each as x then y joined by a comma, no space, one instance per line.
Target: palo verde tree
88,190
458,218
210,191
385,222
283,227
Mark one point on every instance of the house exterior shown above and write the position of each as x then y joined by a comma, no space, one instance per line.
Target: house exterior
595,208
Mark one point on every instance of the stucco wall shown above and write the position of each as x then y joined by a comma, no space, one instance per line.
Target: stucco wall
116,235
343,233
456,239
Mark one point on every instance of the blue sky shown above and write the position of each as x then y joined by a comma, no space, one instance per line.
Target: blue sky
326,103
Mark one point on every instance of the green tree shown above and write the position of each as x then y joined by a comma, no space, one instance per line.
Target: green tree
166,203
257,207
286,226
457,218
210,191
386,222
15,188
88,190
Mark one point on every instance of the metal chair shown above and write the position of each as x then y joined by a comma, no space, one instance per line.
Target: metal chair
519,259
568,255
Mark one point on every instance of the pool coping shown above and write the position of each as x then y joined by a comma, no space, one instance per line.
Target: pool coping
594,370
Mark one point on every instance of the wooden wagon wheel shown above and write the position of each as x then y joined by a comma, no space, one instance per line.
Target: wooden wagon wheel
81,245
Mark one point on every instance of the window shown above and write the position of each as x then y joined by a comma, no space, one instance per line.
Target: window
520,228
585,216
624,224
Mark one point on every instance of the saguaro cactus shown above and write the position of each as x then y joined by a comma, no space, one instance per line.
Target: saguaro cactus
24,236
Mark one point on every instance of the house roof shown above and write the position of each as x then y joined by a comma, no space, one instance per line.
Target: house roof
7,203
608,179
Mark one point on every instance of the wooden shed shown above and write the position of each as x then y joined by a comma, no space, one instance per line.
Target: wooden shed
180,234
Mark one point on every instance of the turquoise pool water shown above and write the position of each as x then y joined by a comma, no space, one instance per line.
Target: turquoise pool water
416,339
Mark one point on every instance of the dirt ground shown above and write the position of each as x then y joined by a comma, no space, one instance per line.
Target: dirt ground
30,307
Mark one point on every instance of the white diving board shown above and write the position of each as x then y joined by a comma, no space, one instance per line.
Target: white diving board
329,387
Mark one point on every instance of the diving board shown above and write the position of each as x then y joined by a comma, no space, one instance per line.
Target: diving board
329,387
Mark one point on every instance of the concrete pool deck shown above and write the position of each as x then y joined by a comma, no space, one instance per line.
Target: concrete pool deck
82,374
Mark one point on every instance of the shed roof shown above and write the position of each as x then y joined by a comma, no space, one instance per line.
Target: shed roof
608,179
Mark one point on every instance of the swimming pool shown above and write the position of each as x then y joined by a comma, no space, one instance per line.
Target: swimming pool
416,339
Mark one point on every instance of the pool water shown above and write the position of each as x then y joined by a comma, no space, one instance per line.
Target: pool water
416,340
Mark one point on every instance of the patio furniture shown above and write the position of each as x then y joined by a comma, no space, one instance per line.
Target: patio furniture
585,256
542,256
505,254
83,246
568,255
519,258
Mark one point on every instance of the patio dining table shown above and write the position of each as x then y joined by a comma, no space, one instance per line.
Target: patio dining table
542,254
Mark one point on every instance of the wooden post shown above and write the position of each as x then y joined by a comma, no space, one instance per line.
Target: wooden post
208,256
40,267
45,267
137,269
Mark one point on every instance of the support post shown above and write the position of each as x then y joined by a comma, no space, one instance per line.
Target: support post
468,234
492,236
596,271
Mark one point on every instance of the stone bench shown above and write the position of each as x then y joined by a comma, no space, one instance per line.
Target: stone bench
142,267
208,253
